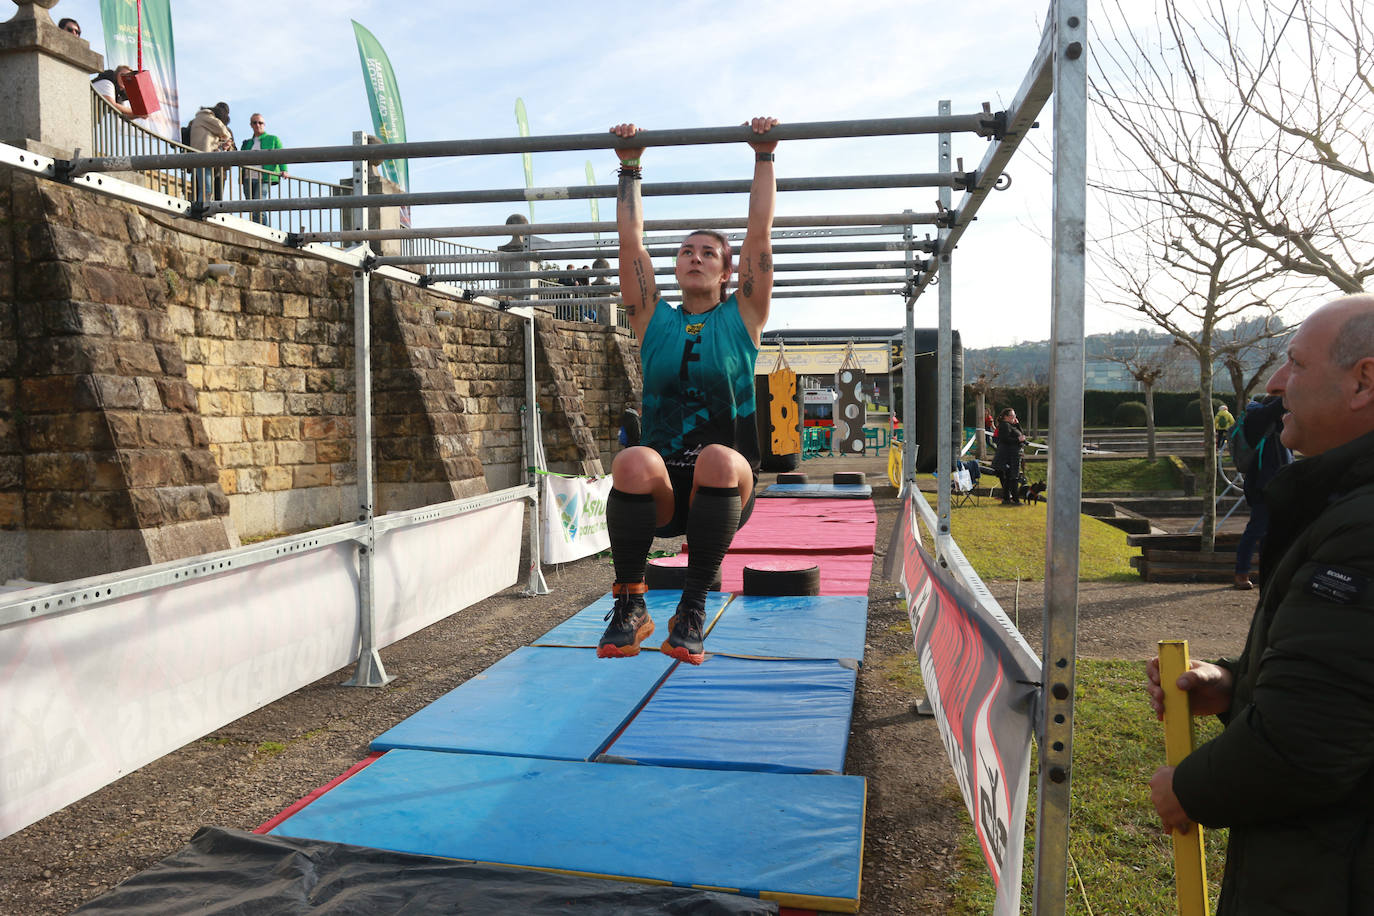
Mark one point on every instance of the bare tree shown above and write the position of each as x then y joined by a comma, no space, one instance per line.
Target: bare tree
1190,276
1256,117
1249,350
982,387
1215,205
1148,362
1034,386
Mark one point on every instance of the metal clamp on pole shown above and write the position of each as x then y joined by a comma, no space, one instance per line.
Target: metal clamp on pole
994,124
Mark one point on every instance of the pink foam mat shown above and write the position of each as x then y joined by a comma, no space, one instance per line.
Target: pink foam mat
791,525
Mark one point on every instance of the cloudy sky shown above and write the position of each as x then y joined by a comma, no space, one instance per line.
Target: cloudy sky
583,67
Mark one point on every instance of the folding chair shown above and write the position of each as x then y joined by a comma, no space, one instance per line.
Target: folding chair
962,487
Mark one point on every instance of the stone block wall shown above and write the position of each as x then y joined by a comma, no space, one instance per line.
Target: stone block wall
105,446
603,364
150,410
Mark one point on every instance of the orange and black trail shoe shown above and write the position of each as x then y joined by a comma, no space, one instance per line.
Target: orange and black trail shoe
684,641
628,624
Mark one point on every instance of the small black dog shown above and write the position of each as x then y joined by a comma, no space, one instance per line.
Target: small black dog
1031,494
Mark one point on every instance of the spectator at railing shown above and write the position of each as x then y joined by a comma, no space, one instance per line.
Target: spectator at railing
110,84
257,181
68,24
209,133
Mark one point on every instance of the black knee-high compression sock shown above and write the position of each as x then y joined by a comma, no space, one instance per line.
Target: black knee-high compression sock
631,519
710,529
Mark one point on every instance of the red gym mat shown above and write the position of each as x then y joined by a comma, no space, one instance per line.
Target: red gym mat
809,525
837,534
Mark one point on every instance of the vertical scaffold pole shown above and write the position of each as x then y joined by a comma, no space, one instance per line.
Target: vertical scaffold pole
536,584
1055,728
944,388
369,671
909,380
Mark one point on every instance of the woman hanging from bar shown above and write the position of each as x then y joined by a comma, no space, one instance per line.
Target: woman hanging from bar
696,469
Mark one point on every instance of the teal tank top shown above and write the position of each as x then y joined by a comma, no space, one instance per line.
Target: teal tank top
699,383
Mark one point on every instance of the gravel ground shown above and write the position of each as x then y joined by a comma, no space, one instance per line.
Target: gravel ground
231,779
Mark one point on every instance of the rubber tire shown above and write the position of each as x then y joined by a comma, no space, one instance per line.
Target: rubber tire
781,462
789,582
848,477
792,477
671,578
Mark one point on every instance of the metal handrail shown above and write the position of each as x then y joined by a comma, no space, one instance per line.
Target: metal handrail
116,135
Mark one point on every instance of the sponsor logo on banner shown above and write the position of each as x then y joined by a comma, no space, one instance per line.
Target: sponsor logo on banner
979,688
574,524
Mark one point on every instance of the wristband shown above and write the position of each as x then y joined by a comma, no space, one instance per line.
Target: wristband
763,157
632,163
633,172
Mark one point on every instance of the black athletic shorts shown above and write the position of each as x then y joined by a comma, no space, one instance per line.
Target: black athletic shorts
681,478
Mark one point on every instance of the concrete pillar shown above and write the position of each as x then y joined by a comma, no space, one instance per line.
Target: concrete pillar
519,241
45,83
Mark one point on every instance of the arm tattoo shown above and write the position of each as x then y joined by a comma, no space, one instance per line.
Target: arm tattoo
643,282
746,277
765,260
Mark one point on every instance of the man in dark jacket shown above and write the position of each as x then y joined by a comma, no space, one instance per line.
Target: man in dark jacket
1006,461
1292,774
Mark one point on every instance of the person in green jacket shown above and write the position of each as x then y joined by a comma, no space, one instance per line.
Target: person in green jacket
1292,773
258,180
1224,422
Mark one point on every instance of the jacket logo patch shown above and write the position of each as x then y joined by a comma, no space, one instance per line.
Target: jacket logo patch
1337,585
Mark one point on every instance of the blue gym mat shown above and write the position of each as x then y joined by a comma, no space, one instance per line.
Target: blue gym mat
765,626
583,630
565,704
745,714
826,490
796,839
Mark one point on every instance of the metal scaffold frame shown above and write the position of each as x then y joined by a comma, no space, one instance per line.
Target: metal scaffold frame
1058,68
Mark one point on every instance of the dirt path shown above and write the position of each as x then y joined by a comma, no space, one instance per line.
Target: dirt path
251,769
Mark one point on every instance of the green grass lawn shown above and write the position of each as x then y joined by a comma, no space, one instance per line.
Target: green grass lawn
1130,475
1009,543
1121,862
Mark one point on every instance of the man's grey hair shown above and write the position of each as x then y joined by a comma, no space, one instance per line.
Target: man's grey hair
1354,341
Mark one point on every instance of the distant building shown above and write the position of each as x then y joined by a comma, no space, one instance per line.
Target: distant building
1102,375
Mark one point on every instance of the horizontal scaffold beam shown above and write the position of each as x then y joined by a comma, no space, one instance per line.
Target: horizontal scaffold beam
668,271
783,294
611,241
650,225
554,292
984,124
656,252
584,192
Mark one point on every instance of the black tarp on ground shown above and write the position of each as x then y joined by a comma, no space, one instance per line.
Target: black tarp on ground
235,873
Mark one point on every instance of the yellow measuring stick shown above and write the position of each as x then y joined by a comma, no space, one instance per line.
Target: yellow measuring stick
1190,864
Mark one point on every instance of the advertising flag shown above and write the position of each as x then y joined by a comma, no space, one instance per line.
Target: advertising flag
523,123
119,21
384,96
596,211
